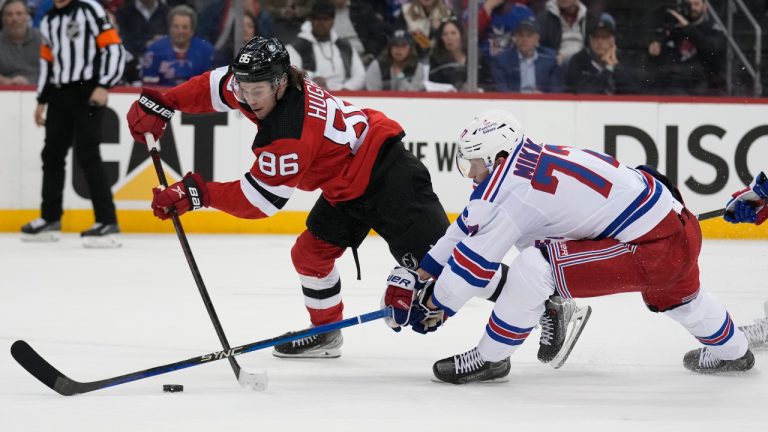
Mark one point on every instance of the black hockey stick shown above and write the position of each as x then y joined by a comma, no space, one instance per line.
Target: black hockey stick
244,378
30,360
710,214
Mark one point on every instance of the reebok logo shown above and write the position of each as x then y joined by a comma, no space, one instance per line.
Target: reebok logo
155,107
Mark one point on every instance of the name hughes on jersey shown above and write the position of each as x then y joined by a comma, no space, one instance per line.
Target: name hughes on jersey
316,96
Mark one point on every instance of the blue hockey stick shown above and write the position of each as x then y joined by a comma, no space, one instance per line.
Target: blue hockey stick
30,360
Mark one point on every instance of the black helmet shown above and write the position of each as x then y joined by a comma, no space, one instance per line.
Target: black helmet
260,59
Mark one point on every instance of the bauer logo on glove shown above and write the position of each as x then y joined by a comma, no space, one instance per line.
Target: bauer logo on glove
155,107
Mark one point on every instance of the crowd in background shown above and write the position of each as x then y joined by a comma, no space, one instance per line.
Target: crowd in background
664,47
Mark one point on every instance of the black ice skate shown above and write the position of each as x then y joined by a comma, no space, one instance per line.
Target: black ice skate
469,367
703,361
101,235
556,342
40,230
326,345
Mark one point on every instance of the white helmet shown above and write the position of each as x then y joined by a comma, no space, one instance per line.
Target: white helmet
491,132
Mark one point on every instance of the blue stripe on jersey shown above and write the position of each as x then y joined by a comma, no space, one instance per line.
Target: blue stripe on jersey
460,222
643,210
480,189
633,211
477,258
448,311
431,266
511,160
466,275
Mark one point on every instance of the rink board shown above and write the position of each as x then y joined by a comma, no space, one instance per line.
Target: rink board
709,147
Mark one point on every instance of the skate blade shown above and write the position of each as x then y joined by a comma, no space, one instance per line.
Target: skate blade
103,242
490,381
578,321
45,237
322,354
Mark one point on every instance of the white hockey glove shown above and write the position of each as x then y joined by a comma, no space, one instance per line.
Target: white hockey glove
402,286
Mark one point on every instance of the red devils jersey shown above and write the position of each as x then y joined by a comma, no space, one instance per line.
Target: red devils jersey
311,140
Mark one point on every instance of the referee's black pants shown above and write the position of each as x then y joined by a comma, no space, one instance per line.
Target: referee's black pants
70,120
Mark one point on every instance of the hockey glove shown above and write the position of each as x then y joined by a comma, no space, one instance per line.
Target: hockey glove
190,193
423,319
150,113
403,284
749,204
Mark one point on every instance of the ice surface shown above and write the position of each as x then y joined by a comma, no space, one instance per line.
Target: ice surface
100,313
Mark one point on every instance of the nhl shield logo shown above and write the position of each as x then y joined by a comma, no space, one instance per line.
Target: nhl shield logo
410,261
73,30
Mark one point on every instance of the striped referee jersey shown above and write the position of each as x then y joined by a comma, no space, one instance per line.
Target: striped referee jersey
79,44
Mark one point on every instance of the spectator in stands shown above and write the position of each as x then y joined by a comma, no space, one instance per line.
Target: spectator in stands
179,56
497,21
689,52
19,45
140,23
398,68
526,67
448,62
217,23
331,62
422,19
564,26
223,56
289,17
358,23
601,68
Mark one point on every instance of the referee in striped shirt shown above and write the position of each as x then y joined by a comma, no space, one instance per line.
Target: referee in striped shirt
81,56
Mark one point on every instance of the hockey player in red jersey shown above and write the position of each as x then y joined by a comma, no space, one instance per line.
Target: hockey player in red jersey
307,139
585,226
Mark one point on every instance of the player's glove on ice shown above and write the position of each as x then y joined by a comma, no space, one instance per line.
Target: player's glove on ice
423,319
150,113
190,193
402,286
749,204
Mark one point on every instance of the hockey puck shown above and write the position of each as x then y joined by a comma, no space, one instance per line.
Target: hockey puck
173,388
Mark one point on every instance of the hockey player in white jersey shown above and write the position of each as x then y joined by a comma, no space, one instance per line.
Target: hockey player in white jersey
585,226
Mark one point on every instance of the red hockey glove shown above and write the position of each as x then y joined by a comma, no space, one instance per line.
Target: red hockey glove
150,113
190,193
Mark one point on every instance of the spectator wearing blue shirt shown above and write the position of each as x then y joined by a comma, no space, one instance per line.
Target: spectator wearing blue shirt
497,21
526,67
179,56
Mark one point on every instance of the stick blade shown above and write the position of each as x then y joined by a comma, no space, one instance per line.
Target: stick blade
30,360
253,381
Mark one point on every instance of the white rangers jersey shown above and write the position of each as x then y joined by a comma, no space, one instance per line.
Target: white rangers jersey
538,194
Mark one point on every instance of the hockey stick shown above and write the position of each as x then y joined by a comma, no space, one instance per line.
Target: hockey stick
710,214
30,360
245,379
